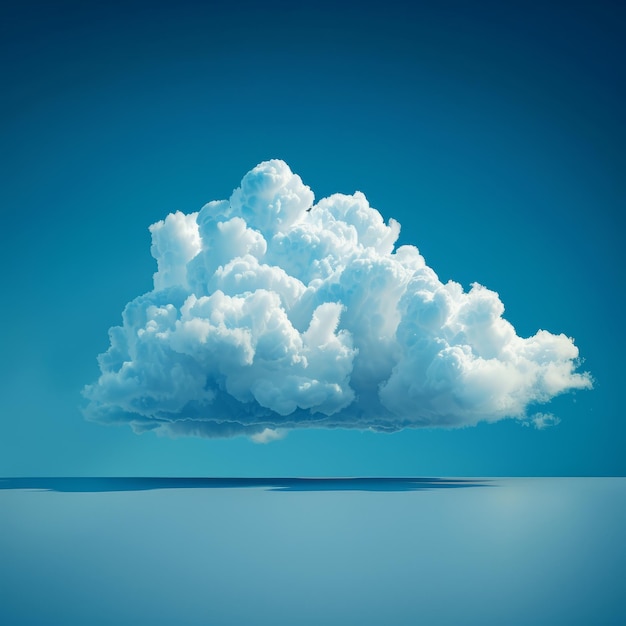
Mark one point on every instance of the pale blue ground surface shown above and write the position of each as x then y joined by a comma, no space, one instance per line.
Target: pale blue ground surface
500,551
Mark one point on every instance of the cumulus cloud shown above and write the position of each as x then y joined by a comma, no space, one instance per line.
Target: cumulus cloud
270,312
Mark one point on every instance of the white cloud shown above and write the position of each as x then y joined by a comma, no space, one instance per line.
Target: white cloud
541,421
268,435
270,312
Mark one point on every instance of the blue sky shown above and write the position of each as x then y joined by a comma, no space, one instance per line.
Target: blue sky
492,133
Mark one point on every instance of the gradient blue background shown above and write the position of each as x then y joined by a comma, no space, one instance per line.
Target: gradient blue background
494,132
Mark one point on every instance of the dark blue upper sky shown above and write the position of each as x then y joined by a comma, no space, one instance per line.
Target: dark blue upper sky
493,132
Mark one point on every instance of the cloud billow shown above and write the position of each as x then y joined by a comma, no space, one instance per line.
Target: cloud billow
271,312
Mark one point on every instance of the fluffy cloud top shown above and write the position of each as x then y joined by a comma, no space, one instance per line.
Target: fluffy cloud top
270,312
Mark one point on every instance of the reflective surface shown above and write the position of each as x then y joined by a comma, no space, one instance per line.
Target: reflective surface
312,551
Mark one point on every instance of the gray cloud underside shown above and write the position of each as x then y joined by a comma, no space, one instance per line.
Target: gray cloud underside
270,312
